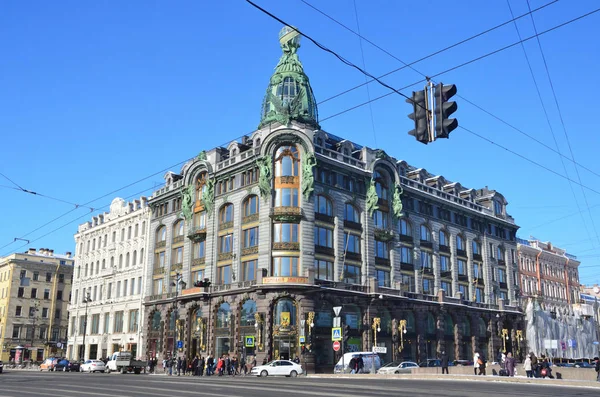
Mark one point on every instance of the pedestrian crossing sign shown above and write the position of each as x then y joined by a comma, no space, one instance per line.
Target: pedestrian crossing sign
301,339
336,334
249,341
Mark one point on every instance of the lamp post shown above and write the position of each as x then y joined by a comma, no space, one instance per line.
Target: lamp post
504,338
86,300
402,330
178,281
33,315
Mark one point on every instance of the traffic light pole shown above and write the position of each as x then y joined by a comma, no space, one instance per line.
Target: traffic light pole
429,97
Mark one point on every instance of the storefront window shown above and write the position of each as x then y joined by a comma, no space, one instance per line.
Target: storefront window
285,313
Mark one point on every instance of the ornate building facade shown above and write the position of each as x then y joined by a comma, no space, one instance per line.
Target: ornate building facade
261,239
106,310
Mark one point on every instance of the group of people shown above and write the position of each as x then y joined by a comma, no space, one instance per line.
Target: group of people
201,366
356,364
537,368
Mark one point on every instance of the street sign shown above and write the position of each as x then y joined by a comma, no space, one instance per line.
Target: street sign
336,334
337,322
379,349
180,344
336,346
337,310
302,340
249,341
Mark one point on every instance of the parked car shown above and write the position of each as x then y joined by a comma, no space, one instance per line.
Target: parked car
1,366
278,367
92,366
49,364
397,367
464,363
67,366
582,364
434,362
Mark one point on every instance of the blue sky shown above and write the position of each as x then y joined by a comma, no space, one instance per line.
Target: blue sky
98,95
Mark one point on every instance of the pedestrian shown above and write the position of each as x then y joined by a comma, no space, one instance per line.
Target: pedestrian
535,367
510,364
253,363
264,361
597,368
201,364
482,364
220,366
243,367
178,366
475,363
210,361
444,362
164,363
184,366
297,360
352,365
360,364
527,366
170,366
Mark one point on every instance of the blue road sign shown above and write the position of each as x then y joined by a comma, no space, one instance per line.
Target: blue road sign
336,334
180,344
249,342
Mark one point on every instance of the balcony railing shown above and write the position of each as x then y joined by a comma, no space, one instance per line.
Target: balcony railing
160,244
198,261
250,250
503,285
286,246
250,219
384,234
286,214
426,244
446,273
352,225
158,270
406,238
477,257
353,256
176,267
463,277
324,217
444,248
224,256
462,253
197,233
407,266
178,239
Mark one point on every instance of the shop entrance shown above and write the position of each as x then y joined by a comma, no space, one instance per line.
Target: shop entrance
285,347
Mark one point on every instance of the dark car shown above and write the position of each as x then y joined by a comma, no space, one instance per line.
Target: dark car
1,366
434,362
67,366
582,364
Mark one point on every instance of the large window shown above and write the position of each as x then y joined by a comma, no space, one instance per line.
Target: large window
425,233
323,270
199,250
285,266
118,322
285,232
224,274
460,243
425,260
477,270
476,248
351,214
226,214
380,219
323,205
177,255
462,267
351,274
286,197
352,243
286,161
133,320
446,286
323,237
406,255
404,228
225,243
248,311
381,249
381,185
161,234
443,238
178,228
200,220
250,237
249,269
383,278
251,205
444,263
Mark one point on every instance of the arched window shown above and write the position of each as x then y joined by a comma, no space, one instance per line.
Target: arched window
120,261
178,228
112,261
97,267
404,227
248,311
323,205
224,315
134,260
381,185
460,243
449,325
141,256
103,263
161,234
443,238
351,214
286,161
425,233
285,313
127,260
226,214
251,205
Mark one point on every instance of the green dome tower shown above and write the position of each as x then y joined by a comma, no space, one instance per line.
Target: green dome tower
289,95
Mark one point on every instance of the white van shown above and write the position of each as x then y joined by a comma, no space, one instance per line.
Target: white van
368,359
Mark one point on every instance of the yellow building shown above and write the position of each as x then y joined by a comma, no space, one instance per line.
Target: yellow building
35,288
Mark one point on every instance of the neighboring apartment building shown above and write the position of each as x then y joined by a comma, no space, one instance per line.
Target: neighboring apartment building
108,284
35,287
549,274
292,221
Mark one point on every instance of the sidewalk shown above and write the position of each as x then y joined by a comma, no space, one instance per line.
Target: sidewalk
487,378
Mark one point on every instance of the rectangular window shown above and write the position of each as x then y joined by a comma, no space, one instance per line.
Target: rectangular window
20,292
285,232
125,282
381,249
57,314
46,293
462,267
463,290
446,286
479,295
36,276
383,278
425,260
286,197
34,293
118,289
160,259
406,255
139,285
18,311
427,286
118,323
95,324
48,277
250,237
351,274
408,283
16,331
59,295
32,311
157,287
224,274
225,243
444,263
477,270
249,270
61,278
132,287
198,275
177,255
323,270
45,312
106,322
109,291
380,219
285,266
352,243
323,237
133,320
501,276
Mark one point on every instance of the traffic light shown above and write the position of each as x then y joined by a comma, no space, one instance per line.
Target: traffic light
419,116
443,109
303,350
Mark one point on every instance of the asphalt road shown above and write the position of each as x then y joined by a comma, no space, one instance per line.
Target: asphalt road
29,383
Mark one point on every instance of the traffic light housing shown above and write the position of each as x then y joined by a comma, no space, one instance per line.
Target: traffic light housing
346,333
303,349
419,116
443,109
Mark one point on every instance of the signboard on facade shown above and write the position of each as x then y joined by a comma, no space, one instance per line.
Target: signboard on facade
285,280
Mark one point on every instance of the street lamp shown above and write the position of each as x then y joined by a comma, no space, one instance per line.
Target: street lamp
376,329
178,281
86,300
402,329
504,338
33,316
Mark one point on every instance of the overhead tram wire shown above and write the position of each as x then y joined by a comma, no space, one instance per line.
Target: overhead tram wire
562,122
547,117
409,65
460,96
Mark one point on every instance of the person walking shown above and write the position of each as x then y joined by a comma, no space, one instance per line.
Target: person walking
475,363
535,367
510,364
164,363
184,366
597,368
170,363
444,362
482,364
527,366
210,362
360,364
178,366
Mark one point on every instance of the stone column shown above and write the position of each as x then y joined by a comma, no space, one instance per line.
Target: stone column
453,259
440,331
